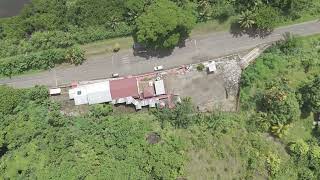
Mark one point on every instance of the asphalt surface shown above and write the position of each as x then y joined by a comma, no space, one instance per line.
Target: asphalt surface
196,49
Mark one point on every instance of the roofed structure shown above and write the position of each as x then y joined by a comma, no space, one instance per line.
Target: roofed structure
122,88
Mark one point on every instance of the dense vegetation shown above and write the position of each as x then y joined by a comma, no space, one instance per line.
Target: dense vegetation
54,25
272,137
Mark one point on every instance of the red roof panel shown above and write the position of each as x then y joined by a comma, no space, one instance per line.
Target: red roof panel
122,88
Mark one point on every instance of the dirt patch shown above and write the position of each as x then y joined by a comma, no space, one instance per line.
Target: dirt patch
153,138
209,92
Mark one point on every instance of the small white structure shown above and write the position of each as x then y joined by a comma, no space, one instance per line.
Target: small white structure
91,93
212,67
55,91
159,87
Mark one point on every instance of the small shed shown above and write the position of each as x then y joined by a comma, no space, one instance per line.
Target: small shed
54,91
159,87
212,67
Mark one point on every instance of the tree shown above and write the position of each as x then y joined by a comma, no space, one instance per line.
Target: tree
75,55
280,103
9,98
273,163
164,24
279,130
310,93
246,19
266,17
100,110
299,148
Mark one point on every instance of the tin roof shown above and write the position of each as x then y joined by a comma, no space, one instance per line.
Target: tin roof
122,88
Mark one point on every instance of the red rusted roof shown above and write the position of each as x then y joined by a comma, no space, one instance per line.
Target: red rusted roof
122,88
148,92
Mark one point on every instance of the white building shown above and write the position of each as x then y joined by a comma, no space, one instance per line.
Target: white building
91,93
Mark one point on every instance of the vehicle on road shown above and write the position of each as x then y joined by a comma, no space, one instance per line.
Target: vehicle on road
115,75
158,68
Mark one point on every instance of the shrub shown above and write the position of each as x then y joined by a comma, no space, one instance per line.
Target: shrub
299,148
40,60
75,55
280,103
266,17
116,47
38,93
9,98
100,110
200,67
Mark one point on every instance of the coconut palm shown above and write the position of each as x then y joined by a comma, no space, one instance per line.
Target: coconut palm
279,130
246,19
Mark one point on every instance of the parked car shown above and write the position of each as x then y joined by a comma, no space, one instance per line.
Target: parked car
114,75
158,68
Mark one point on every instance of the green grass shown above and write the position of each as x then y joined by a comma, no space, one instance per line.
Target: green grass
106,46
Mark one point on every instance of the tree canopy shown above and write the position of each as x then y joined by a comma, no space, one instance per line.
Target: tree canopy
164,24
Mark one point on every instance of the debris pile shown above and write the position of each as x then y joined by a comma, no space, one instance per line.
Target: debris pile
231,72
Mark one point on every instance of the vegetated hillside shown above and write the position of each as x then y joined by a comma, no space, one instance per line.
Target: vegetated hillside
272,137
54,25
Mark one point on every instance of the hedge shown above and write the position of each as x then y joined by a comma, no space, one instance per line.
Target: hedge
39,61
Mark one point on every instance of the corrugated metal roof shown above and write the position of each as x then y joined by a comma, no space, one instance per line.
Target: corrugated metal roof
122,88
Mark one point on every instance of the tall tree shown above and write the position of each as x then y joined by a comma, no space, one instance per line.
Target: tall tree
164,24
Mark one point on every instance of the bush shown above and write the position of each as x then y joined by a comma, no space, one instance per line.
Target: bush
280,103
75,55
299,148
40,60
116,47
9,98
38,93
200,67
100,110
266,17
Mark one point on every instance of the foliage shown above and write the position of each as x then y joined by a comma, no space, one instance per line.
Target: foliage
9,99
311,95
41,142
200,67
290,44
266,17
273,164
299,148
279,130
38,94
164,24
100,110
75,55
280,103
182,116
40,60
246,19
116,47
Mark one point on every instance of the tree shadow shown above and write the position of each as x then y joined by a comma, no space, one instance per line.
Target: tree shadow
237,31
149,53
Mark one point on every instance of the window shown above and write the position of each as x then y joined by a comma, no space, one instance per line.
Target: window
78,93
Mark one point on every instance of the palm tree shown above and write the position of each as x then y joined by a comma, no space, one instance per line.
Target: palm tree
279,130
246,19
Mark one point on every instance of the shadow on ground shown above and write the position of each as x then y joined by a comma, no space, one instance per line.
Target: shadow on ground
147,53
237,31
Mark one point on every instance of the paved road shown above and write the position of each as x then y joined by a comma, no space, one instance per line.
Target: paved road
196,50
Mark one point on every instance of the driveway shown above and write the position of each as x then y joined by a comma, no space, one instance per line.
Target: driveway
196,49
